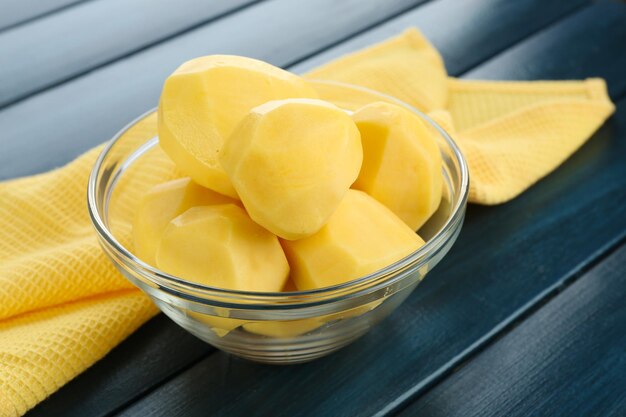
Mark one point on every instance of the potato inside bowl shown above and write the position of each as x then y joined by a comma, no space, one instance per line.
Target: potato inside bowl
283,327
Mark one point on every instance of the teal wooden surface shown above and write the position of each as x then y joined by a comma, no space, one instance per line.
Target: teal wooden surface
19,12
114,94
507,260
79,39
508,268
568,359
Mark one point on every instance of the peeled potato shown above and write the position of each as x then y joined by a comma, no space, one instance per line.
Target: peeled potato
401,162
205,98
283,329
221,246
290,286
361,237
292,162
221,326
160,205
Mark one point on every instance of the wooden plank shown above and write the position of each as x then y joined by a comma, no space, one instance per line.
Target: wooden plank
500,12
76,40
122,382
568,359
157,351
481,283
599,35
465,32
484,283
15,12
55,126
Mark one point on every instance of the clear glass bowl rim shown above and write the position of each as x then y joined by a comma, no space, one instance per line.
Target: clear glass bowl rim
181,287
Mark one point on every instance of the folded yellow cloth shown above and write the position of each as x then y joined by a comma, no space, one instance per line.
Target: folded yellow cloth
63,305
511,133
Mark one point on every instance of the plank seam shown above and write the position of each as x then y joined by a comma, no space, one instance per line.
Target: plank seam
42,15
502,329
189,29
148,390
121,407
527,309
128,54
548,26
355,34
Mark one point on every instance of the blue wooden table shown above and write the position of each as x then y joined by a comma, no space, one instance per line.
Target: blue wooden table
525,316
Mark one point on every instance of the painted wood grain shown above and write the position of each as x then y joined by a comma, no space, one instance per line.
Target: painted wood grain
568,359
507,258
57,125
465,32
598,35
73,42
339,378
81,38
15,12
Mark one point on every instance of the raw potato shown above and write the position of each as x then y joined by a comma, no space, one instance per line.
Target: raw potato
162,204
293,328
222,247
286,328
221,326
202,102
401,162
290,286
292,162
283,329
361,237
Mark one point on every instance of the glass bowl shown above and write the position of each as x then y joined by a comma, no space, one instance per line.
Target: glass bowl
276,328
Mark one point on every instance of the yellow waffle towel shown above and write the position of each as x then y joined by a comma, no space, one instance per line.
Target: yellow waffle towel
63,305
511,133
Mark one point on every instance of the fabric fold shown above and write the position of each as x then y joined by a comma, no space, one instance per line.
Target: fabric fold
62,303
529,130
406,67
512,133
41,350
